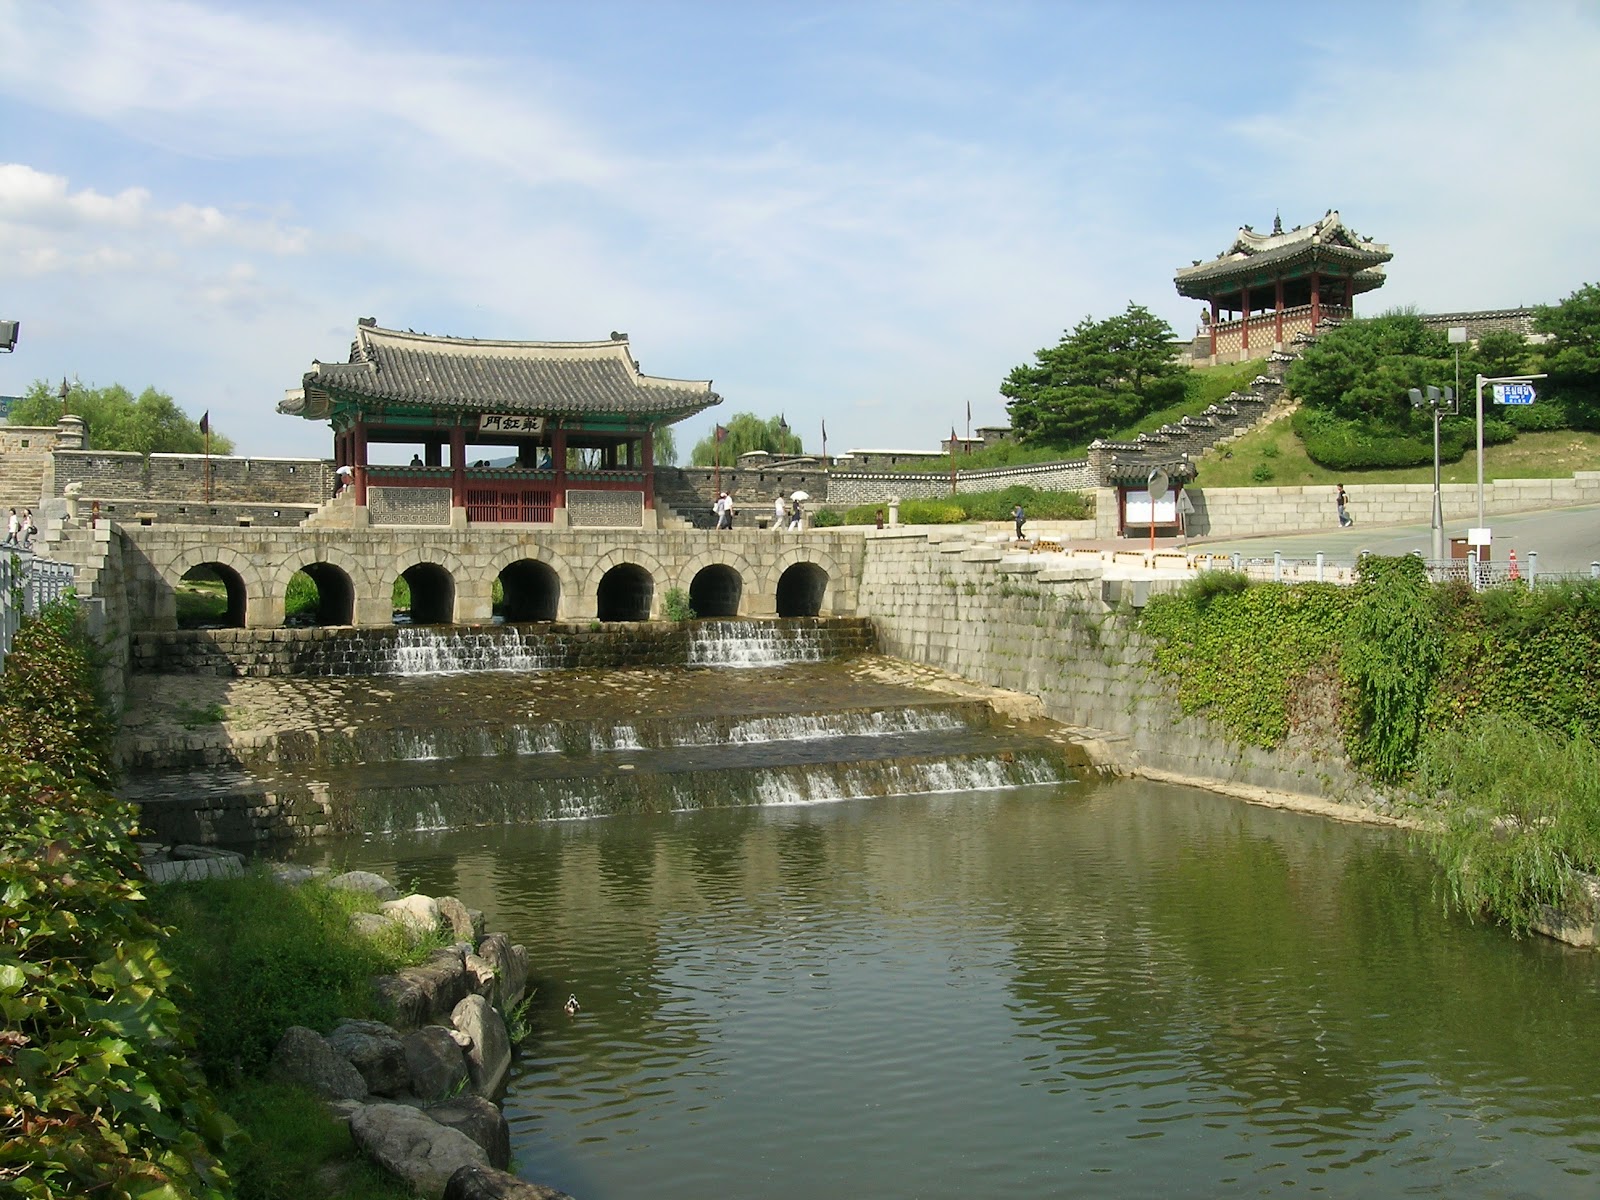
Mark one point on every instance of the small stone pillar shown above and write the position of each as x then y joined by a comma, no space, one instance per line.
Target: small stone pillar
894,512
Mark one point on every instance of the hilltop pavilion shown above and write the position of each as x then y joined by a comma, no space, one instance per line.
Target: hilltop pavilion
1275,285
548,433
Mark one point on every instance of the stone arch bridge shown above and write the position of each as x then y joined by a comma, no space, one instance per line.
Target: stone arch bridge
544,575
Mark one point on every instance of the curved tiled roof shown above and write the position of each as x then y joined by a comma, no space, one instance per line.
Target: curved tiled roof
548,378
1329,240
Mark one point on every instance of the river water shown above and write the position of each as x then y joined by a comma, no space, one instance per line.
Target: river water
1087,989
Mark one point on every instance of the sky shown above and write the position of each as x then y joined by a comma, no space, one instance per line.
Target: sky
861,214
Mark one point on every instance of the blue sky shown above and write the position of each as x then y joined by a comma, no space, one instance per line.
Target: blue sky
863,213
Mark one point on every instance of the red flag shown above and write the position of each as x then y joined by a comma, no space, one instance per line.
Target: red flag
205,421
721,434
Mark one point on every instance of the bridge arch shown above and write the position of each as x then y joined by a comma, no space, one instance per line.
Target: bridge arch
632,591
801,590
241,578
336,574
524,563
716,581
531,591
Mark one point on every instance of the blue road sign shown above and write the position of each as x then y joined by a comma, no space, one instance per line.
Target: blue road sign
1513,393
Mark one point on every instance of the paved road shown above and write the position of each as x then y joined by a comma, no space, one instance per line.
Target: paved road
1566,540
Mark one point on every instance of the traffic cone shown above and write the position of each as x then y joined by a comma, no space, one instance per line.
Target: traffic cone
1511,563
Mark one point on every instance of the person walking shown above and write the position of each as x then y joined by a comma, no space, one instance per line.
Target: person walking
11,528
797,516
724,510
29,530
780,513
1018,516
1340,500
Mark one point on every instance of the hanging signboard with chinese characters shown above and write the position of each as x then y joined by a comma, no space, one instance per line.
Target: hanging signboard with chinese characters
509,423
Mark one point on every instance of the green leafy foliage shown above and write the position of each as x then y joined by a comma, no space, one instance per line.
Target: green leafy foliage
50,708
150,423
1100,376
1572,355
1392,651
675,605
1354,383
746,432
97,1094
1239,651
1520,814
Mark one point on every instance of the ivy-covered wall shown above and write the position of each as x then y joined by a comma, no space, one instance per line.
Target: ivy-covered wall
1052,634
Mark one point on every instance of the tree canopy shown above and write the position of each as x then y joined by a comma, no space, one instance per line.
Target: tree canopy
1572,355
150,423
746,432
1101,376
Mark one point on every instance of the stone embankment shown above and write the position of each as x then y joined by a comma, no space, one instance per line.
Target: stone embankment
418,1090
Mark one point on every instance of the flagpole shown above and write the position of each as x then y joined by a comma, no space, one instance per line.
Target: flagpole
205,426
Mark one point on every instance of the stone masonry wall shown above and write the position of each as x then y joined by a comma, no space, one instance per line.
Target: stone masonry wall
181,478
957,609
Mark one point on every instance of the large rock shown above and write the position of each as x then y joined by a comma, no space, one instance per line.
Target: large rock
466,924
436,1062
365,881
511,964
370,924
414,1147
484,981
416,912
304,1056
489,1059
375,1050
481,1120
425,994
486,1183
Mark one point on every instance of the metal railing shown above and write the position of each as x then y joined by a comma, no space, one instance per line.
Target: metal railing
1281,568
27,584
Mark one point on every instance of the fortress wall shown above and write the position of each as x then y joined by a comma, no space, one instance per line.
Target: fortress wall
181,478
1082,657
1241,512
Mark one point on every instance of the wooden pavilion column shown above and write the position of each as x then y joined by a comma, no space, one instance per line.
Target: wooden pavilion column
458,467
647,455
360,464
1244,330
1213,325
558,456
1279,309
1316,301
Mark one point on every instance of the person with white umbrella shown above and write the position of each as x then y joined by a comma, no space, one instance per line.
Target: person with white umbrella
797,515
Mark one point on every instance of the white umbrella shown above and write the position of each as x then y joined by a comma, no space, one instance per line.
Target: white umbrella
345,471
799,495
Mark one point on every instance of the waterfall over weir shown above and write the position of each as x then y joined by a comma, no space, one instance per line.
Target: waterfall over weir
428,651
753,644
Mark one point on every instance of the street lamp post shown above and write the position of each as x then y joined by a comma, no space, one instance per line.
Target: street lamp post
1483,379
1437,401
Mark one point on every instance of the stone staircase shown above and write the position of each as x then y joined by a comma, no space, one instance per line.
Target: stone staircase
1226,421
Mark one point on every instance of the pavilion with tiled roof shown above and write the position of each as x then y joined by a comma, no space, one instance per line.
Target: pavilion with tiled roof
1275,285
577,421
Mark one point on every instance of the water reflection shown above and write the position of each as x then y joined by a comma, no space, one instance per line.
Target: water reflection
1103,990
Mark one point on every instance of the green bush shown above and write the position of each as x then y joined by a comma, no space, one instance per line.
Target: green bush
675,605
301,596
1261,473
1521,813
1357,445
982,506
827,518
93,1050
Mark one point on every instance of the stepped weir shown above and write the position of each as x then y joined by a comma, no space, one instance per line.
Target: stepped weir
434,728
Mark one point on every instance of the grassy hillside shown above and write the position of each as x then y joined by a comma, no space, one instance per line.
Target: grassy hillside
1273,456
